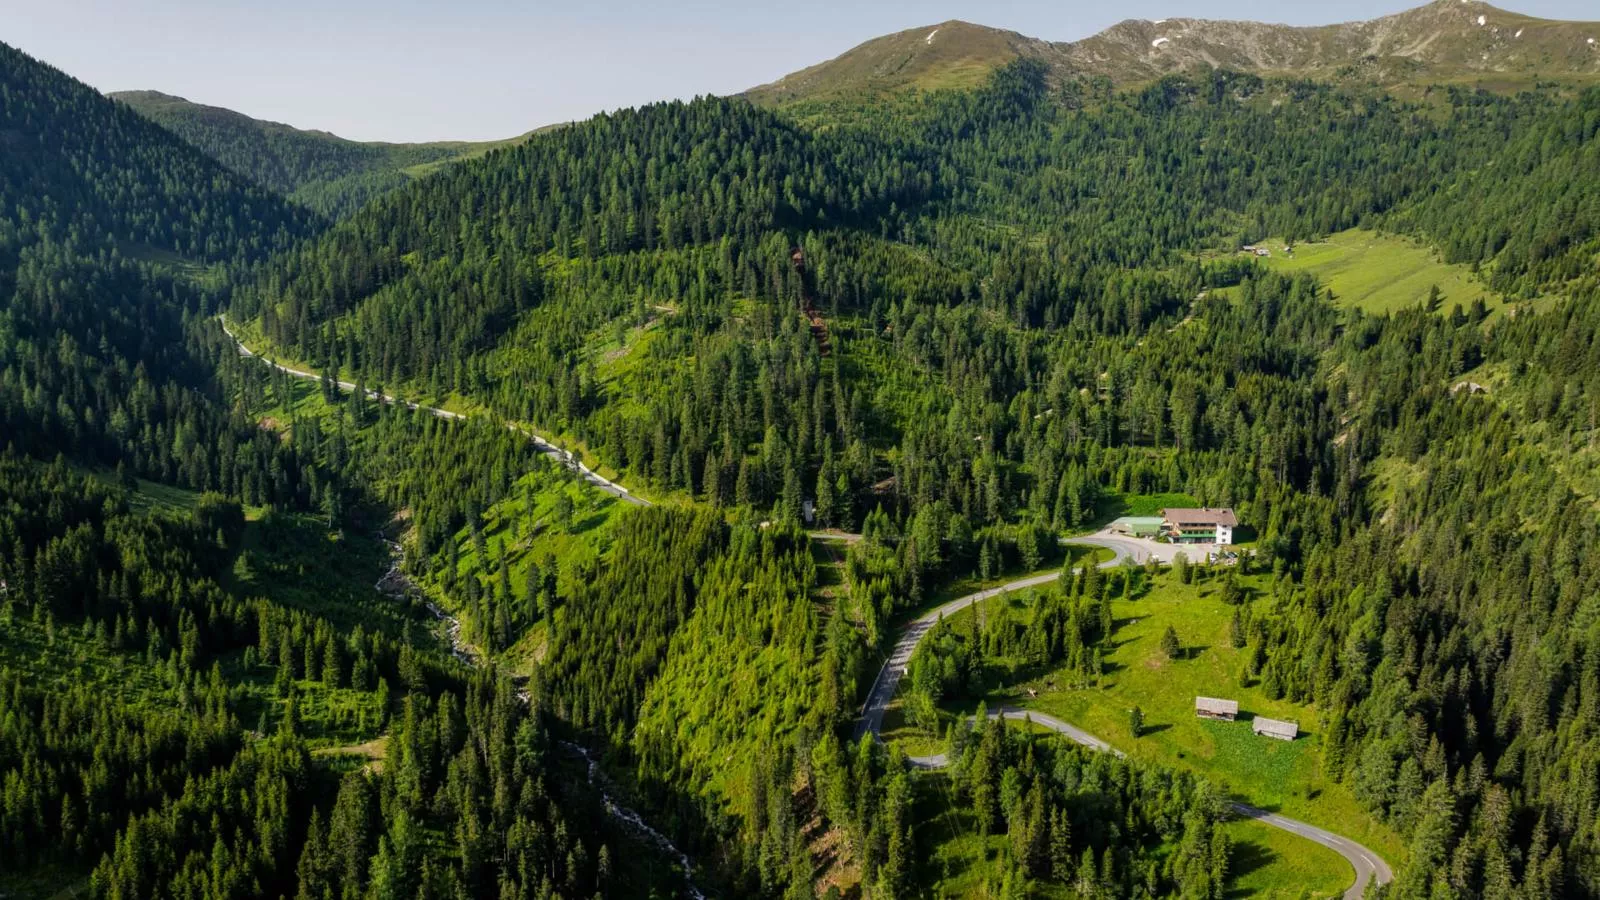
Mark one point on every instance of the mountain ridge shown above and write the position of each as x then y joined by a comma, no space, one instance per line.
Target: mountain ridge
331,174
1440,42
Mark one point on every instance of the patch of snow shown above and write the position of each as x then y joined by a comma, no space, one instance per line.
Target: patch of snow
1161,40
1483,20
1591,40
1519,33
1159,22
931,34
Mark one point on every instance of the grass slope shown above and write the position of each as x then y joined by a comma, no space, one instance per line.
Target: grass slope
534,527
1267,862
1381,273
950,55
1466,43
1277,775
1286,777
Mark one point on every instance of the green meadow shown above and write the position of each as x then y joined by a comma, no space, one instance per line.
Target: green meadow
1280,776
1381,273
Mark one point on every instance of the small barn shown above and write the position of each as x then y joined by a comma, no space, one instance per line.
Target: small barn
1212,708
1275,728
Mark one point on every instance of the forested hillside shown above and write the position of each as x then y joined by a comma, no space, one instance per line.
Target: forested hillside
1031,302
656,322
324,172
201,692
262,635
82,169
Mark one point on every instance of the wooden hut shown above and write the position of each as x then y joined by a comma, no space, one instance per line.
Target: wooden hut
1275,728
1212,708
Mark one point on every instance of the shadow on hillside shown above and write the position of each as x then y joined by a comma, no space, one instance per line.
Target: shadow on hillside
1248,856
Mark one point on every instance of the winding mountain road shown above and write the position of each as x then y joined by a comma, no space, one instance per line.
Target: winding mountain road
1074,733
1368,866
541,443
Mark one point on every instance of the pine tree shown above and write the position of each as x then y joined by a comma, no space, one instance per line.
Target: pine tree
1236,635
1171,647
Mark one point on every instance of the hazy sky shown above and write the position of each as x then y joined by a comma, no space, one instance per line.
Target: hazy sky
407,70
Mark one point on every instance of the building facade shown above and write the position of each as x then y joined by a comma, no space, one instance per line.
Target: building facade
1200,526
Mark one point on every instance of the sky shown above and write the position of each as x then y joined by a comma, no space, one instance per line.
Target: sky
405,70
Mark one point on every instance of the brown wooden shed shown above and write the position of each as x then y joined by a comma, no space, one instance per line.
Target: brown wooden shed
1275,728
1213,708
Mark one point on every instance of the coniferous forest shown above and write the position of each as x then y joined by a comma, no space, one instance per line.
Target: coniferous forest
269,635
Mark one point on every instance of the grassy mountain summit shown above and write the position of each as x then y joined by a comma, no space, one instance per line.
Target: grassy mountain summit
1442,41
952,54
328,173
1445,41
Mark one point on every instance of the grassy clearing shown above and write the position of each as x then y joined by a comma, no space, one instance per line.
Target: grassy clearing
155,498
212,275
295,561
1271,863
163,498
49,882
1272,774
551,520
56,657
1381,273
377,748
951,854
1282,776
1115,506
533,525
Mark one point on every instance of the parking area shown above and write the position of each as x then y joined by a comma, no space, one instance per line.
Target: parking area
1138,550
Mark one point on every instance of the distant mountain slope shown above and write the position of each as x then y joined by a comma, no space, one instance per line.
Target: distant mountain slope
328,173
1450,40
951,54
90,193
1442,41
83,170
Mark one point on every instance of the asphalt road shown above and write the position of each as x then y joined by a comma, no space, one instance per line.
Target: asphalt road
1368,866
883,687
1074,733
1140,550
543,444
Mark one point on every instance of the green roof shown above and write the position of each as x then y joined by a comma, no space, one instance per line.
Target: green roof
1155,521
